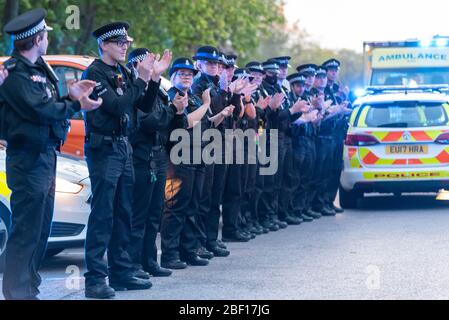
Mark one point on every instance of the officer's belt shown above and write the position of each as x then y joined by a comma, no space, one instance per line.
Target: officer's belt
113,138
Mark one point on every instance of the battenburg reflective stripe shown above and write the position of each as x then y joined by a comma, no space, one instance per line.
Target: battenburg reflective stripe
183,66
256,68
207,55
308,69
138,58
271,66
31,32
297,79
332,64
113,33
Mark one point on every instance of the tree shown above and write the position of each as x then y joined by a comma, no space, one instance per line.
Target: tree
181,25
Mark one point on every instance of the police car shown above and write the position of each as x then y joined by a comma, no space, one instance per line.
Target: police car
398,141
72,206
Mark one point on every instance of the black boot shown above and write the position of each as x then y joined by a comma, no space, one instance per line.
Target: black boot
99,291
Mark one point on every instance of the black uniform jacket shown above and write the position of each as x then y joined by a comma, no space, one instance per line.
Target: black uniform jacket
122,94
32,114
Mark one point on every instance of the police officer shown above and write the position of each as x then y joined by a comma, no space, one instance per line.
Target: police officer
247,177
109,158
285,182
231,66
255,183
150,167
279,117
305,135
333,67
325,144
207,58
179,233
297,84
37,124
233,230
267,205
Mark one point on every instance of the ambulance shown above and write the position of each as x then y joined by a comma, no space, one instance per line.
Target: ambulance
411,62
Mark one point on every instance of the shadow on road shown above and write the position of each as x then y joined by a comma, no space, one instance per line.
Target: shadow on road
402,203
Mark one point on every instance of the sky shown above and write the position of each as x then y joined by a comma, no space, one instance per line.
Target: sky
338,24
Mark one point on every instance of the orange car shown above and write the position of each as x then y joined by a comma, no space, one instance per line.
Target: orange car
68,67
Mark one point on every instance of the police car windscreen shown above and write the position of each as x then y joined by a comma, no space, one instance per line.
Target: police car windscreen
406,115
409,77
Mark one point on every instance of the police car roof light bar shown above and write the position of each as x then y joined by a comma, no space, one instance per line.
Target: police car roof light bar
422,88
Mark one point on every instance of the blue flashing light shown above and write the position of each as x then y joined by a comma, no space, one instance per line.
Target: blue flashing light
441,42
425,43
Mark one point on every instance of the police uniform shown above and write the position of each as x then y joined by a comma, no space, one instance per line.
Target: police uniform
340,136
150,168
255,183
279,120
36,125
325,152
286,175
109,160
234,229
215,175
248,168
305,154
179,231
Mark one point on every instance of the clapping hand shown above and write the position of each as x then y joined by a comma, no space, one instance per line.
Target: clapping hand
161,64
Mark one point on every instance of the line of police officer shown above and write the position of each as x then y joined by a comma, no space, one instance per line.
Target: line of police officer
138,188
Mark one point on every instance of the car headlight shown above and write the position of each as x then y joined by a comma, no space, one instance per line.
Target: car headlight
64,186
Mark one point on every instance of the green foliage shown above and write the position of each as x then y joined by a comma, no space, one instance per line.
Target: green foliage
253,29
181,25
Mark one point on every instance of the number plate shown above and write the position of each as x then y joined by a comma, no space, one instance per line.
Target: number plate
407,149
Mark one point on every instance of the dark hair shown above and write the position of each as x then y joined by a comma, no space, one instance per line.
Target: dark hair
28,43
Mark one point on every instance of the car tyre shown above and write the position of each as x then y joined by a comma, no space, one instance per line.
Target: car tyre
348,199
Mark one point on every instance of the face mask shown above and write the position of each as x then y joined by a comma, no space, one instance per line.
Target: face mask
271,79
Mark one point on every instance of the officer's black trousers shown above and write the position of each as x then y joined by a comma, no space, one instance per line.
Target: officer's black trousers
31,178
335,172
249,183
325,153
204,205
179,229
254,196
286,182
268,201
109,228
147,209
213,217
304,161
232,198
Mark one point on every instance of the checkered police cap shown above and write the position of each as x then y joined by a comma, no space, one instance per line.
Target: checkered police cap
27,25
113,31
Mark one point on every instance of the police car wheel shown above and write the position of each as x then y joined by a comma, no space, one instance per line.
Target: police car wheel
4,233
348,199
